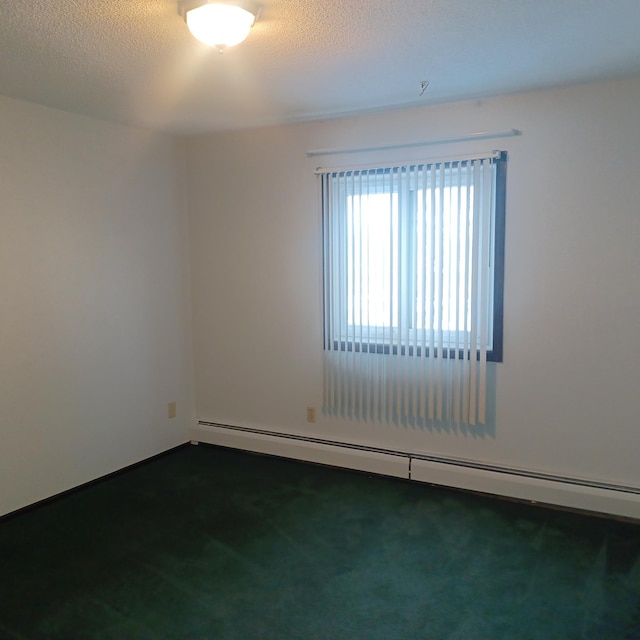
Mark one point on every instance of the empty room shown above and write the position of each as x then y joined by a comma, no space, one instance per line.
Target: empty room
320,328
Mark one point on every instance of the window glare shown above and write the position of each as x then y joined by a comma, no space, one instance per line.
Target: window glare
455,314
372,257
374,243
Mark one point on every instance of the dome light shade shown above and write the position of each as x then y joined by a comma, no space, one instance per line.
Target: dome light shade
219,23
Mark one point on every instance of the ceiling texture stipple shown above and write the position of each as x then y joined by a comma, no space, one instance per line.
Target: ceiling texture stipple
135,62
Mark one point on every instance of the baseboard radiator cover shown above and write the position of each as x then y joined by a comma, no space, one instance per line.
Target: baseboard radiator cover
531,486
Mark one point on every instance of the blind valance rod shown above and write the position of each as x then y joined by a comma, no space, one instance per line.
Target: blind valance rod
483,135
484,155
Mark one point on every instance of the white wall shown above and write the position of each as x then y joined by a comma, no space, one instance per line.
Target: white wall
567,391
93,284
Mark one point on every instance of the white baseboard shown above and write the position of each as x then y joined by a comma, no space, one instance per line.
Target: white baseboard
614,501
573,493
308,450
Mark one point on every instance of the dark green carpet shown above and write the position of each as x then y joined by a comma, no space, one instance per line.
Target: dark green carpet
211,543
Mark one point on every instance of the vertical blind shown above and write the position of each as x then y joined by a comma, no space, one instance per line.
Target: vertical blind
408,289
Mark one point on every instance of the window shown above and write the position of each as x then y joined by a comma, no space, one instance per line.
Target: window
413,259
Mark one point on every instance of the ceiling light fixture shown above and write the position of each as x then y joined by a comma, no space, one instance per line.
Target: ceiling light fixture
219,23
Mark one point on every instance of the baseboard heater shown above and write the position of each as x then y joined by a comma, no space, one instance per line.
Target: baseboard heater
544,488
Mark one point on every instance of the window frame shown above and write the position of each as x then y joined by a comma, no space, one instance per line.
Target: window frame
348,340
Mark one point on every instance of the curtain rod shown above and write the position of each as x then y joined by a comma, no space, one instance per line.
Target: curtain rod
484,135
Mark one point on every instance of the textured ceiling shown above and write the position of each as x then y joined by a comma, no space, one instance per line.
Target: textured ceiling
134,61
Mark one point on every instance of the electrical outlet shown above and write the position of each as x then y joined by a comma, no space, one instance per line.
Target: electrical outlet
171,410
311,414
